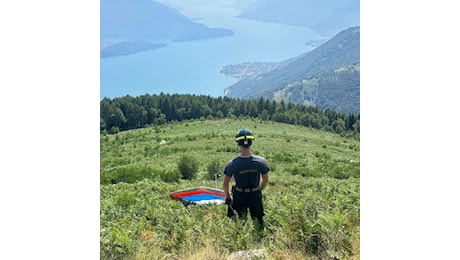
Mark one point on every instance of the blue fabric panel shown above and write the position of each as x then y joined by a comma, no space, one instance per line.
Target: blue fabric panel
200,197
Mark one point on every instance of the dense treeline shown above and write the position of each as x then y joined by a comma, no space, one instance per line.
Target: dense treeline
128,112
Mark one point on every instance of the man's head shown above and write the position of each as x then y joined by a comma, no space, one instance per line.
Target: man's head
244,137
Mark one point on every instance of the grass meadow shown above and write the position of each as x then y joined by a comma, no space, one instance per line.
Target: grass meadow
312,203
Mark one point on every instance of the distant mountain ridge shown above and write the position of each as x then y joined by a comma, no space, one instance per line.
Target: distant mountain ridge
327,77
327,17
129,26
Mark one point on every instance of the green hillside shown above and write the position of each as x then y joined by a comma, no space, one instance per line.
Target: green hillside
343,50
337,90
312,201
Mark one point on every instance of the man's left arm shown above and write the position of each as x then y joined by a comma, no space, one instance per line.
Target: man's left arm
264,181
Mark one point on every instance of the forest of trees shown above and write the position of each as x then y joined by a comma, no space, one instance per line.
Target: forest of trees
337,90
124,113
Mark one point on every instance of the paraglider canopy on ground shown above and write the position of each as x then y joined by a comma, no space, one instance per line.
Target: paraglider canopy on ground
199,195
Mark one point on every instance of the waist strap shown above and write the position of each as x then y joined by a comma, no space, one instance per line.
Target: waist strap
246,190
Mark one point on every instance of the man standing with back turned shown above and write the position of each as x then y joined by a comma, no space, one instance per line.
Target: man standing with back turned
246,169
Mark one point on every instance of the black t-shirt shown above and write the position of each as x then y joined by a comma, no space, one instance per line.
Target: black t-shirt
247,170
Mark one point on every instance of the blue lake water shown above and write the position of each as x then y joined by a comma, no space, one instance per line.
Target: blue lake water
193,67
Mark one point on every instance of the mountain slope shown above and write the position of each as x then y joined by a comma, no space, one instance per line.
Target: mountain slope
341,18
148,20
328,61
337,90
327,16
136,21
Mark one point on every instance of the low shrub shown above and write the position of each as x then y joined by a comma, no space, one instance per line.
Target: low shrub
170,176
188,167
214,167
129,174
